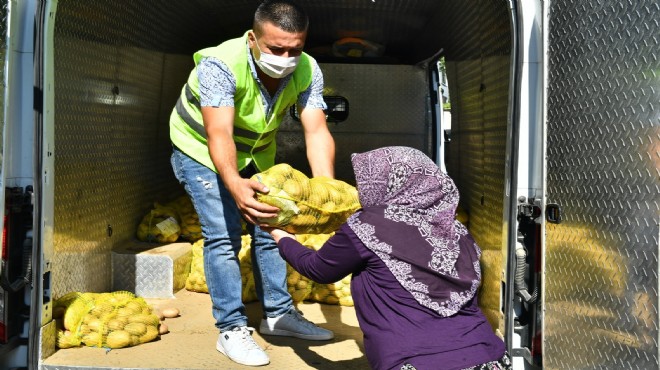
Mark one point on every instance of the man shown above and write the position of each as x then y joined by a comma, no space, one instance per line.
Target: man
223,130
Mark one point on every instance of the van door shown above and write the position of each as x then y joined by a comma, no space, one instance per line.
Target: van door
602,185
16,178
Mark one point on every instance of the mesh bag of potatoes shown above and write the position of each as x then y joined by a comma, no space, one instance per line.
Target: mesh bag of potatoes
298,286
160,225
245,261
196,280
191,229
317,205
110,320
334,293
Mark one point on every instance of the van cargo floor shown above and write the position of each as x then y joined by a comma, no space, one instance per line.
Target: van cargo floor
190,344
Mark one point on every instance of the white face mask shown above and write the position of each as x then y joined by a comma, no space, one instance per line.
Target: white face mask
275,66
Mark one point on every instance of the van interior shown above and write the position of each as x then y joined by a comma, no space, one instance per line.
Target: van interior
119,67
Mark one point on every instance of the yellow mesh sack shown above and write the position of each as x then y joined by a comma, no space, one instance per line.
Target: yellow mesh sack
245,261
317,205
160,225
191,229
196,280
462,216
333,293
111,320
299,286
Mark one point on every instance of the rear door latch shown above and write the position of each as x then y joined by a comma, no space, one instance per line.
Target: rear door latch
553,213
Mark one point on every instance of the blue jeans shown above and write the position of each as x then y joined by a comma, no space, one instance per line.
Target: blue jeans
221,229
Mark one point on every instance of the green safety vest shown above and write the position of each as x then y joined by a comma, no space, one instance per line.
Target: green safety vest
254,133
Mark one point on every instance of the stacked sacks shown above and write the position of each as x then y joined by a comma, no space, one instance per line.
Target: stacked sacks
299,286
307,206
110,320
310,208
247,277
196,281
191,230
160,225
169,222
334,293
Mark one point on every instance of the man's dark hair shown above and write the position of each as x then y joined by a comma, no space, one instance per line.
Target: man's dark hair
284,14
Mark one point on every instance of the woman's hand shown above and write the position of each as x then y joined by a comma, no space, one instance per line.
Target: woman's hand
277,234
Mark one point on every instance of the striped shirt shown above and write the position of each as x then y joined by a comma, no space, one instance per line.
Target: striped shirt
217,86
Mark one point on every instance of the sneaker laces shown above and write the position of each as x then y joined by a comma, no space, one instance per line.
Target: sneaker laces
245,336
298,315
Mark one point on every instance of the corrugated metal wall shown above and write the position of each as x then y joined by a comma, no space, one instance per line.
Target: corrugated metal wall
119,67
111,137
114,95
603,160
388,105
478,66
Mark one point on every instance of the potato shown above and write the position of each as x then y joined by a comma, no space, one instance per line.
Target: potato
163,329
136,328
170,312
151,334
118,339
150,319
93,339
117,324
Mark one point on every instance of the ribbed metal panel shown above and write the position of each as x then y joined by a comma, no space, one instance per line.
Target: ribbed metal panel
478,68
111,153
387,106
183,26
603,145
151,270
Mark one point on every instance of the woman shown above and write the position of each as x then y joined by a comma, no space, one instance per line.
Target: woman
415,268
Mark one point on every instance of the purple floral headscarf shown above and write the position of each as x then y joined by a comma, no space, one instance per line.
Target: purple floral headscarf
408,220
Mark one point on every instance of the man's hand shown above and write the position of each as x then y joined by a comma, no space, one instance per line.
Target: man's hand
244,192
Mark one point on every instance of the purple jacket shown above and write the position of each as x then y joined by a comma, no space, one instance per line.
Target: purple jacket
397,329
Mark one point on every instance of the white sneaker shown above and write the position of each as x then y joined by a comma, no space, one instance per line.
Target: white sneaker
239,346
292,324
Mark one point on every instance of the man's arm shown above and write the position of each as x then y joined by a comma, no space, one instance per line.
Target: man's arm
318,140
219,124
319,143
